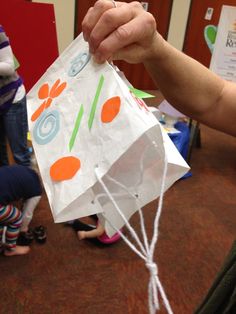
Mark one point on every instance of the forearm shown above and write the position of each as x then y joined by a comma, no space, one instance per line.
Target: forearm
192,88
184,82
95,233
28,211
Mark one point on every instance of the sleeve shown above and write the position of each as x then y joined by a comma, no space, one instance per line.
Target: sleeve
6,55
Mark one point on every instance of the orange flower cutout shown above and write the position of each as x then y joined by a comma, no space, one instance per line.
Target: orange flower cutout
48,94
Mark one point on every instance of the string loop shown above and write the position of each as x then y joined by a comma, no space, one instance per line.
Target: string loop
145,251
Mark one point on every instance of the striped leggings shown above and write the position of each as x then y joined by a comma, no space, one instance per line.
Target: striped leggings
11,218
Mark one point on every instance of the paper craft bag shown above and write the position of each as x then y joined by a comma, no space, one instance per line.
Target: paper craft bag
85,122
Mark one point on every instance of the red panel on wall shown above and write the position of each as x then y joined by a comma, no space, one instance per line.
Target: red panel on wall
31,29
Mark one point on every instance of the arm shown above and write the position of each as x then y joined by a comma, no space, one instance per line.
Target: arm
92,233
129,33
28,211
7,66
193,89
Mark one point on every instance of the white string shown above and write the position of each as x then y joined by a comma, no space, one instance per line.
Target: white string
133,233
147,148
127,241
145,239
158,213
146,253
107,192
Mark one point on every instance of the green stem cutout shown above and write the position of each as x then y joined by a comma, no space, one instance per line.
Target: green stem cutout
95,101
76,127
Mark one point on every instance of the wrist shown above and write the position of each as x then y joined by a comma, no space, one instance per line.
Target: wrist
157,49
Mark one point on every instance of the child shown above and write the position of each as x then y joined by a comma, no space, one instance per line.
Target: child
95,232
13,110
17,183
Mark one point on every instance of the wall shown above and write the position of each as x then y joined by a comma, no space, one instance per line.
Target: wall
64,12
179,18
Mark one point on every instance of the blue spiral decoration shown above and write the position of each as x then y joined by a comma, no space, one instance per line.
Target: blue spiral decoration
78,63
46,127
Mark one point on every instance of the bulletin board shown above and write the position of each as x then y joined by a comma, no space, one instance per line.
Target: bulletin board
223,61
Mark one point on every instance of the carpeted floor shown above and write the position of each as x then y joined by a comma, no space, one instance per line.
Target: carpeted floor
197,228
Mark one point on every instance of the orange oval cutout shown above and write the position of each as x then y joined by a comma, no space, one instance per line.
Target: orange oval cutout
110,109
64,168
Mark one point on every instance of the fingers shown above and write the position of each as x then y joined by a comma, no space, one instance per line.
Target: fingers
129,42
108,30
93,15
109,22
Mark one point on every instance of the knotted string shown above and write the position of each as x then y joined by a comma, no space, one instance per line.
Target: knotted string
146,251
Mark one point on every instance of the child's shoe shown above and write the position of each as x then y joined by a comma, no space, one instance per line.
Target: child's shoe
25,238
40,234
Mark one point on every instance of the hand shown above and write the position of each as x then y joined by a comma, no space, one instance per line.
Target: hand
81,235
126,32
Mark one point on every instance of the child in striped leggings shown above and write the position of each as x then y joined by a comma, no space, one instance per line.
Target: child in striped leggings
17,183
11,218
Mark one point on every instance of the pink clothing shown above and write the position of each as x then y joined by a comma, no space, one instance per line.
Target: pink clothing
107,240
